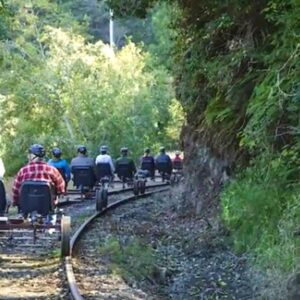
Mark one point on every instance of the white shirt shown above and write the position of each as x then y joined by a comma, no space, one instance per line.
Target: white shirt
105,158
2,169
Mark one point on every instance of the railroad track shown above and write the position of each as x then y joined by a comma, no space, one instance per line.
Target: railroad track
22,249
73,286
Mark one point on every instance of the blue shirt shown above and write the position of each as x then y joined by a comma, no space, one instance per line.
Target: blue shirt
61,164
163,159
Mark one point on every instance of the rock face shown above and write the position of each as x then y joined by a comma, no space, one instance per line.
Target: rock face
205,174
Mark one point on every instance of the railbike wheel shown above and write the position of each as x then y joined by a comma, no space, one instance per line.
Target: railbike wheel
65,235
142,186
98,199
174,179
3,202
136,188
104,197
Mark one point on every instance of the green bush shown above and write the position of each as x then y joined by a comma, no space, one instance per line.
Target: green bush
261,207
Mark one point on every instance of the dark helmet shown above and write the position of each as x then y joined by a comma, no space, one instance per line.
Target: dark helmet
162,149
147,150
103,149
124,150
56,152
37,150
82,149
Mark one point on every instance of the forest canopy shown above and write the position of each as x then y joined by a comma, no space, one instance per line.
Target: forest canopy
59,89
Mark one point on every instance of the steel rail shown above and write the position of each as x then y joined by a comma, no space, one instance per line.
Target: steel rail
73,191
114,192
73,287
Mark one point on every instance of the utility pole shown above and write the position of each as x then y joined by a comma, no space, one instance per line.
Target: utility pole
111,28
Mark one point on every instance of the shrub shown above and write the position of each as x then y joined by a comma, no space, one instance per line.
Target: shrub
261,207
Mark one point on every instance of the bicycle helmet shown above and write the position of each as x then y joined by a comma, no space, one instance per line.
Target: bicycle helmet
147,150
56,152
177,153
37,150
162,149
124,150
103,149
82,149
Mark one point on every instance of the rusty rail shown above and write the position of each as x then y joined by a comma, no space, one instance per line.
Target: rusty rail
74,289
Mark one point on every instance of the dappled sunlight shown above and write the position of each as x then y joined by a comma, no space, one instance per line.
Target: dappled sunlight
89,88
19,278
108,52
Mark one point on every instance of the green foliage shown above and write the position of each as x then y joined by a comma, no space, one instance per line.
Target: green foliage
261,208
54,253
274,105
217,111
131,8
132,259
70,91
262,205
237,75
164,34
176,120
5,14
96,15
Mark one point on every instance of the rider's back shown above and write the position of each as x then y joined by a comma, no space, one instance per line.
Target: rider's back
127,162
81,160
163,162
163,158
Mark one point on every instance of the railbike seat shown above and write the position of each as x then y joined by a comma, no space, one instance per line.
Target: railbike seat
83,176
36,196
3,201
163,167
103,172
177,165
147,165
124,172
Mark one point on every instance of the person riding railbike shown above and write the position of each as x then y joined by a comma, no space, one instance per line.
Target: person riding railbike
82,158
83,170
163,164
125,167
148,163
37,170
60,164
177,162
104,164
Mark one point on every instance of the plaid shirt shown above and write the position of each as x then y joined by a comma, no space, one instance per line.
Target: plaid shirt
38,171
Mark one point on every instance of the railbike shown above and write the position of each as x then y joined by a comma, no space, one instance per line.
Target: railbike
38,215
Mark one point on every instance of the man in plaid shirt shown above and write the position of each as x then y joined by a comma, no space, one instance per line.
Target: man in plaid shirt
37,170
